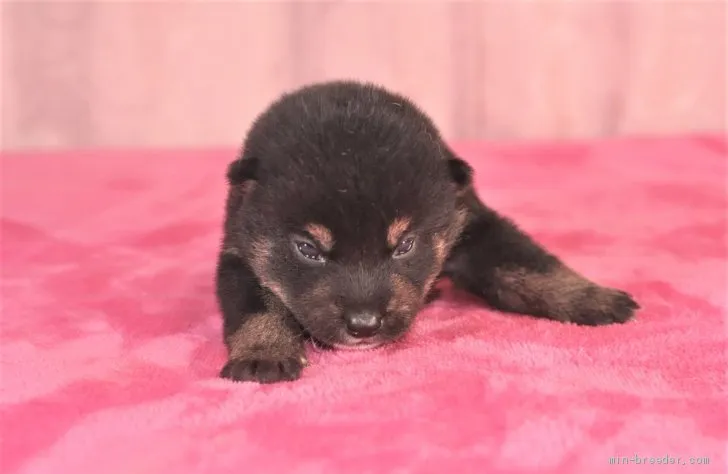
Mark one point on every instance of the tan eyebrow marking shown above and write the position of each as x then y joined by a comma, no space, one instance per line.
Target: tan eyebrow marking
396,229
321,234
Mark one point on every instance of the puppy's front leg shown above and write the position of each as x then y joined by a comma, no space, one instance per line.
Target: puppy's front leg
511,272
263,340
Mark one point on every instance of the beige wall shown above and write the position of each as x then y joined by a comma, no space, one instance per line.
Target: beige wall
163,73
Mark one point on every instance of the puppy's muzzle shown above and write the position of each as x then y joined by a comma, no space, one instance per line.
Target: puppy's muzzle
364,324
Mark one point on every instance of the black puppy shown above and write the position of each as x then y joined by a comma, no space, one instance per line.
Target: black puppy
344,208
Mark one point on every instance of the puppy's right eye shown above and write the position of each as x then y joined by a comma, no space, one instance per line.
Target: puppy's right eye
309,251
404,247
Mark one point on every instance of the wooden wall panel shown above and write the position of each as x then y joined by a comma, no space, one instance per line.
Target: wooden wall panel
188,73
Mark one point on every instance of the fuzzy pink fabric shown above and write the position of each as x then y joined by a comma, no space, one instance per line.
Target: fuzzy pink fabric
111,339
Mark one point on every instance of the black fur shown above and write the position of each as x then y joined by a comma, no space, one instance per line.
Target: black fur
361,163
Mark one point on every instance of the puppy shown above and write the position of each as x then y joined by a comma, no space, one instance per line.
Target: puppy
344,208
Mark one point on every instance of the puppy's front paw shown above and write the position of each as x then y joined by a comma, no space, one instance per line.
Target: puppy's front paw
599,305
264,369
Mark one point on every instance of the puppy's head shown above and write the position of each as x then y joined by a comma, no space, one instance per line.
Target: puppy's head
351,233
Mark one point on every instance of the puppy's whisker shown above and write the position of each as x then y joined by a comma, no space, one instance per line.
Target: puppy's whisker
315,345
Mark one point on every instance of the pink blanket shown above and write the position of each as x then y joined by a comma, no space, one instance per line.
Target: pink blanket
111,341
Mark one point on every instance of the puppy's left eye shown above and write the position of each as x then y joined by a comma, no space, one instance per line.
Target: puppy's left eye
309,251
404,247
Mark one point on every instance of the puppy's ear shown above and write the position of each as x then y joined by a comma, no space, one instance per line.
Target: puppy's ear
242,170
460,171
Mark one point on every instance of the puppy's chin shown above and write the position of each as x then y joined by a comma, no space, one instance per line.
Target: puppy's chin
347,343
358,346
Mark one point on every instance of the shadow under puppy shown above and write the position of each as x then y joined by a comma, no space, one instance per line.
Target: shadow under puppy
344,208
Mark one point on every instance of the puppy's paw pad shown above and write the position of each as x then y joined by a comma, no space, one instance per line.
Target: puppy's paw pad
263,370
601,306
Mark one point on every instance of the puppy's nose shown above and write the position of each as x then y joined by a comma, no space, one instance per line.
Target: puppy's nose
364,324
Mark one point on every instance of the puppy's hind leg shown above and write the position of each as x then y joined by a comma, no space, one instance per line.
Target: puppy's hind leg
263,340
505,267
